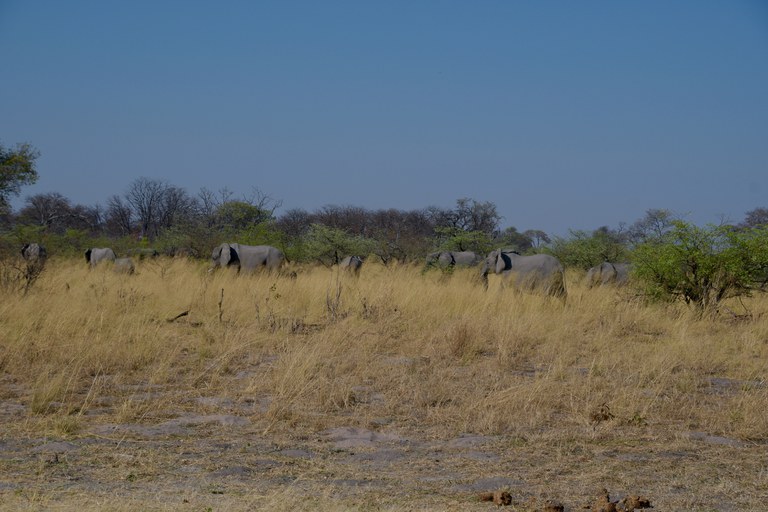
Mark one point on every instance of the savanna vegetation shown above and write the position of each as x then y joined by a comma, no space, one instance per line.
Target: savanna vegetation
181,389
673,259
177,389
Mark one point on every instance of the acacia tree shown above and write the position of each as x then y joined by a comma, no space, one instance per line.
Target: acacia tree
653,226
703,266
583,249
17,168
329,245
511,238
400,235
537,237
468,215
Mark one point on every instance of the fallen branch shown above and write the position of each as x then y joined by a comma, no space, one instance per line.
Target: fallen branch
183,313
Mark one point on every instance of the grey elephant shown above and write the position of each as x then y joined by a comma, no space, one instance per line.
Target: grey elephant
34,254
96,255
537,272
124,266
248,258
351,264
35,257
445,259
608,273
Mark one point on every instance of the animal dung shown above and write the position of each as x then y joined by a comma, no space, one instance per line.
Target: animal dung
500,498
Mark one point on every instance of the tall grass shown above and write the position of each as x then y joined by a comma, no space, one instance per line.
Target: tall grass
322,349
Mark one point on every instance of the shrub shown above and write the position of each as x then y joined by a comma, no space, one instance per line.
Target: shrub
703,266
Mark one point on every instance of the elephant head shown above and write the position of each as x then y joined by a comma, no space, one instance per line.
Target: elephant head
608,273
33,253
432,259
498,261
224,255
351,264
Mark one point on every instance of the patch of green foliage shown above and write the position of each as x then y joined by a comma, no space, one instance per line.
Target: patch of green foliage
455,239
585,250
703,266
329,245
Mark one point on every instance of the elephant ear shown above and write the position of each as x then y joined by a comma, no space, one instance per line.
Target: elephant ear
501,264
226,254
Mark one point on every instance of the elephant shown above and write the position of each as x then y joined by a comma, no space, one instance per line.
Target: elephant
247,257
96,255
445,259
34,254
124,266
537,272
609,273
351,264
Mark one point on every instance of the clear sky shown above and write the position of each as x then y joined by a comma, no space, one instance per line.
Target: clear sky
565,114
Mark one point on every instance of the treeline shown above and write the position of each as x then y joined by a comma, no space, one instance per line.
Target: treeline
154,213
671,257
166,217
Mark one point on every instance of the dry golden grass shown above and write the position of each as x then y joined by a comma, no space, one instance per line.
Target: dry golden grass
461,385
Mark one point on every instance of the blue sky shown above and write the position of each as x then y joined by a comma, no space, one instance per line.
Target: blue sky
566,115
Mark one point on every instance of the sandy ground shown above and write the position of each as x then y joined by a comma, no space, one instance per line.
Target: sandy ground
216,453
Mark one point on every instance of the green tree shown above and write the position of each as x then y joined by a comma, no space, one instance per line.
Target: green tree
455,239
330,245
703,266
17,168
653,226
584,250
241,214
511,238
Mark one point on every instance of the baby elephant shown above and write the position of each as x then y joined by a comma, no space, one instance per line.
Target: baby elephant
124,266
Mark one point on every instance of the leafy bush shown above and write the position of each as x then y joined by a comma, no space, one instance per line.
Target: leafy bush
585,250
703,266
455,239
329,245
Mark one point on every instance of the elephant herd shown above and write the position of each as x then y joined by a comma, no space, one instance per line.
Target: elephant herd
250,258
540,272
97,255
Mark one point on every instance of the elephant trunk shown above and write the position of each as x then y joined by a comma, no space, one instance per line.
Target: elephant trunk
484,275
